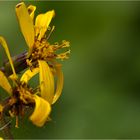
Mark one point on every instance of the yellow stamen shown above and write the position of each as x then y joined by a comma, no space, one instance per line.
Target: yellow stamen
50,32
17,122
64,55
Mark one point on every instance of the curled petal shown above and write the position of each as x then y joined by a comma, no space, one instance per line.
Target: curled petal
60,82
4,83
41,111
26,24
4,45
46,81
31,11
27,75
42,23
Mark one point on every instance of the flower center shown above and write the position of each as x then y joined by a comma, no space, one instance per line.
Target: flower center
21,99
43,50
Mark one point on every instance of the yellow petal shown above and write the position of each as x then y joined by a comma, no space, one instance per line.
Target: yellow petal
1,108
4,83
46,81
4,45
41,111
42,22
28,74
1,138
60,81
31,10
26,24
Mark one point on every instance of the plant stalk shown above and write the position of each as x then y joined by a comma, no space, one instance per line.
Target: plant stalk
19,62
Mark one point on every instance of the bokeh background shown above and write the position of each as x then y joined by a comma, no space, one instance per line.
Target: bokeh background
101,95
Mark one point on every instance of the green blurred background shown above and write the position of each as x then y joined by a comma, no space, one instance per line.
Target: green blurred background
101,95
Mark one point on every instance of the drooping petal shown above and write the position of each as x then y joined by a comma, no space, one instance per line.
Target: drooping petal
26,24
31,10
28,74
41,111
42,23
46,81
4,83
1,108
60,81
4,45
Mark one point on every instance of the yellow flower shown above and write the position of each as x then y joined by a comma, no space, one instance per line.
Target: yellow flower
1,138
39,47
21,95
41,54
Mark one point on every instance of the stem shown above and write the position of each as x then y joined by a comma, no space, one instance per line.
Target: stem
19,62
4,125
6,131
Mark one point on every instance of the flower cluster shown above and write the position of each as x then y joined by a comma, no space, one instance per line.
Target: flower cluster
41,59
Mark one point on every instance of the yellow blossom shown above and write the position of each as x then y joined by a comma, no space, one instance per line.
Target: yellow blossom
21,95
41,53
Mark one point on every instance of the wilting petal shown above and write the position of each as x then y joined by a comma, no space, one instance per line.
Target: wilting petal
4,83
60,81
26,24
27,75
46,81
42,22
31,10
41,111
4,45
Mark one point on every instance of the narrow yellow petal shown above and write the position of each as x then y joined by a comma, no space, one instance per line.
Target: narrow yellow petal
4,45
1,108
4,83
46,81
41,111
60,82
26,24
42,23
28,74
1,138
31,11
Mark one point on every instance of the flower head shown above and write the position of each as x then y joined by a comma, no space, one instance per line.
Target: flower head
34,34
41,53
21,95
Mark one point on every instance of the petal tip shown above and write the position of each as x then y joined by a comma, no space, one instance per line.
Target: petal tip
19,4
